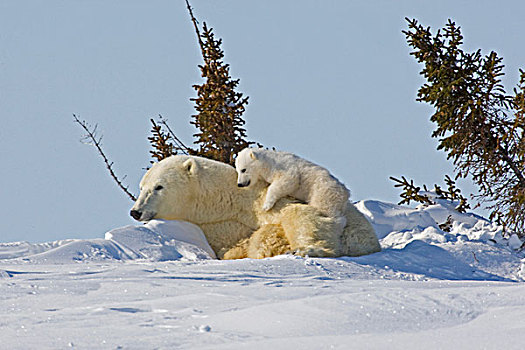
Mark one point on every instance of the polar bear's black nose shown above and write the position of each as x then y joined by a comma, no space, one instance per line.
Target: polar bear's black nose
135,214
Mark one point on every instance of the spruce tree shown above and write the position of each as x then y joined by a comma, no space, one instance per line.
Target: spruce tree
478,125
219,106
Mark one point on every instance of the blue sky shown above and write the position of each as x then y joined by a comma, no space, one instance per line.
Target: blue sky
329,80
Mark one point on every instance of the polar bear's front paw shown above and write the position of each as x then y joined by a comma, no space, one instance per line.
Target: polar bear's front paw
267,206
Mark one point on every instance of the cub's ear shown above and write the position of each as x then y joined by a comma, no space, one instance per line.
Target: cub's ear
190,166
253,155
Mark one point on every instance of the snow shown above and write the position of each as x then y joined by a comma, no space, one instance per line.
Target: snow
158,240
159,286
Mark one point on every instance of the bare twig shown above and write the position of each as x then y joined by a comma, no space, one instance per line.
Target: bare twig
180,144
91,135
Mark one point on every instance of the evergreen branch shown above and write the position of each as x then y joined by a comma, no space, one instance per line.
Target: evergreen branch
195,25
412,192
159,141
513,166
91,135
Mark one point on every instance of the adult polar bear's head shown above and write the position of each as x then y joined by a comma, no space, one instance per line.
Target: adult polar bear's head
185,188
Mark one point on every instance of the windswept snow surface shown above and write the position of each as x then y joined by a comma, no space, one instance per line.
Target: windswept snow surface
158,286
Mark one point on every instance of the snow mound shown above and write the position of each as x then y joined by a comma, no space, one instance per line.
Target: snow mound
397,225
158,240
415,247
163,240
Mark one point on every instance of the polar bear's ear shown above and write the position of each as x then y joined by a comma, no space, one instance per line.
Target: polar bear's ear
253,155
190,166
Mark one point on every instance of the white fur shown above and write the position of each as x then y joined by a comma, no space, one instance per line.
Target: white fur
290,175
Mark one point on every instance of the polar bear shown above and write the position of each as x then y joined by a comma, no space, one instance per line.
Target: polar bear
205,192
291,175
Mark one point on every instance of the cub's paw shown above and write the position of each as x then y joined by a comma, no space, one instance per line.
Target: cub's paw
267,206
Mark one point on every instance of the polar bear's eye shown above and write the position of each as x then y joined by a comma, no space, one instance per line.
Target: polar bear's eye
243,171
158,188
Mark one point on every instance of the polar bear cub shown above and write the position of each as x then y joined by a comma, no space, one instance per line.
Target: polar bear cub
290,175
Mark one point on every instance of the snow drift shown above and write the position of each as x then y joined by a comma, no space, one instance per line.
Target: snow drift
158,240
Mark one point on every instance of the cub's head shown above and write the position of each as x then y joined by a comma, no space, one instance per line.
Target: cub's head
247,166
165,189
